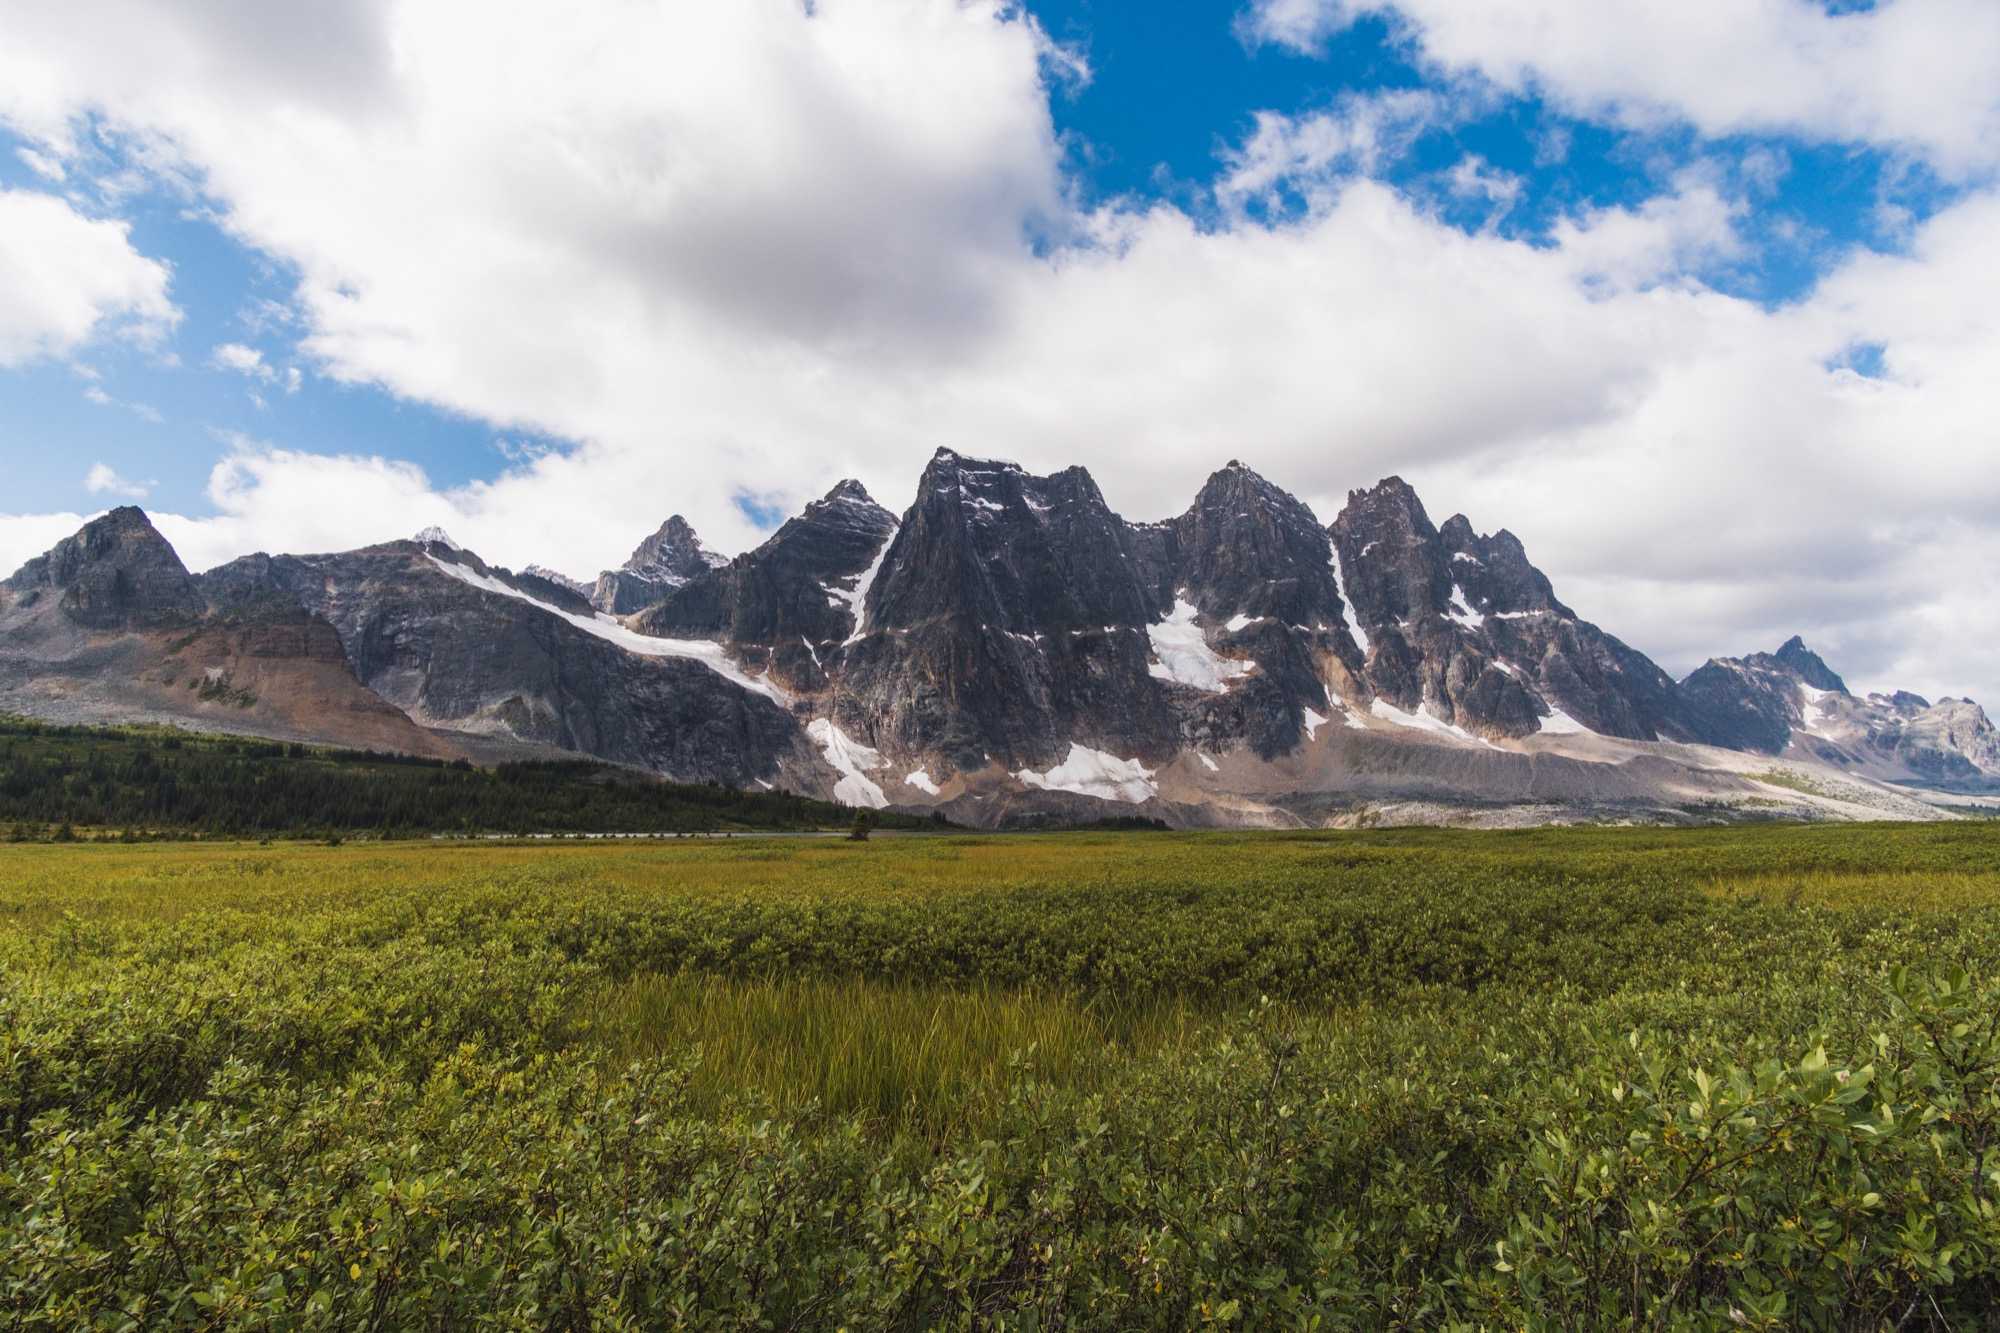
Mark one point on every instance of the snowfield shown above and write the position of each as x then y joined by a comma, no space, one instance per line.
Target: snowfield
1090,772
852,759
1425,720
1184,657
1559,723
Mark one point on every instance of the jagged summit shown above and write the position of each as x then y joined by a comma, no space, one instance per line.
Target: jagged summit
802,589
672,551
1807,663
436,536
849,490
664,561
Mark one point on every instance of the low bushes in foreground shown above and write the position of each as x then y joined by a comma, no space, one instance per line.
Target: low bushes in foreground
1556,1082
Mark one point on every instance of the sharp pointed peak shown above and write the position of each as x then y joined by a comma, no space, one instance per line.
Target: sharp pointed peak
1393,484
1808,665
847,488
1236,470
435,535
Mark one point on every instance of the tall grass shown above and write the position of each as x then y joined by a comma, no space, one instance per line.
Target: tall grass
927,1060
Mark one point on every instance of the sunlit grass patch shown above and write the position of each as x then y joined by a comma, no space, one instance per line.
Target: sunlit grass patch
925,1059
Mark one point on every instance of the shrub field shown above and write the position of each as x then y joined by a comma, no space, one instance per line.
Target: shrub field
1578,1080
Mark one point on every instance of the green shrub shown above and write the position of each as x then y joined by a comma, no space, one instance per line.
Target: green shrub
1580,1081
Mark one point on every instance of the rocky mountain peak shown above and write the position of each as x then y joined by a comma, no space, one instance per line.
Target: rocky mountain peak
786,605
1492,574
664,561
436,536
849,505
848,489
116,572
1396,569
1808,666
999,546
1251,549
672,552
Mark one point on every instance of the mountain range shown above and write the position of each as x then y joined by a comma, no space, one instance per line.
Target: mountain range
1009,651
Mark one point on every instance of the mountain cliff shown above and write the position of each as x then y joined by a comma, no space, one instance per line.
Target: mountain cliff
1008,650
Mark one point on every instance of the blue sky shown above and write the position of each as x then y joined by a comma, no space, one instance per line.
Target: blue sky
1562,264
1171,89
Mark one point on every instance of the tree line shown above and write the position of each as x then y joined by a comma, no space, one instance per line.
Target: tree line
155,781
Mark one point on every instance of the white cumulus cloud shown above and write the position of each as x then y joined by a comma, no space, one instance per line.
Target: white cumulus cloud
751,248
68,279
1915,75
103,479
243,360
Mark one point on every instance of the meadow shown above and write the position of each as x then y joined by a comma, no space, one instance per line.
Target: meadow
1564,1079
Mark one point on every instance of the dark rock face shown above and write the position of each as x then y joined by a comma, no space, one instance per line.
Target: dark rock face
988,542
1807,666
117,572
1007,620
1258,567
1396,568
1016,614
1463,626
1494,575
791,603
466,658
1755,702
661,563
1746,703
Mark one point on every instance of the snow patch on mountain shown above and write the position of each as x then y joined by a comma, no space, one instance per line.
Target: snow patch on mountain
921,780
1424,720
1348,615
1559,723
1184,657
1089,772
1313,722
857,596
710,655
436,536
851,759
1462,612
1814,717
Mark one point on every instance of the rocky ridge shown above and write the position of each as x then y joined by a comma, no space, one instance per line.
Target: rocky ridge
1009,650
1791,703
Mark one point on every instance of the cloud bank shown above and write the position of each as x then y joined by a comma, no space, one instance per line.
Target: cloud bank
736,252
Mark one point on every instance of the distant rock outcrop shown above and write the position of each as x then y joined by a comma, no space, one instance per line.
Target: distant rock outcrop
1790,701
117,572
784,607
660,564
